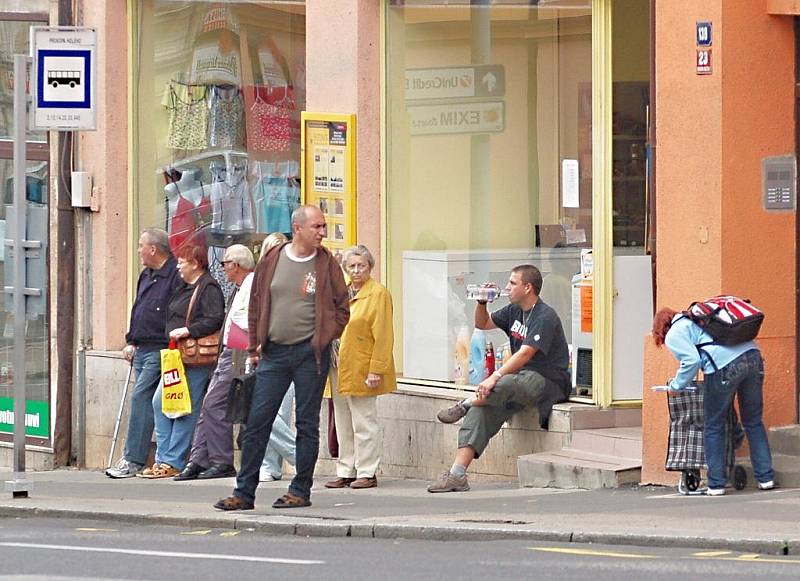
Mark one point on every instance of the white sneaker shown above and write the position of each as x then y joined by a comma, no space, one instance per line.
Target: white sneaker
715,492
768,485
124,469
265,476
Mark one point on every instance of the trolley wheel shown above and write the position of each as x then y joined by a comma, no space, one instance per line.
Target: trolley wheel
691,479
739,477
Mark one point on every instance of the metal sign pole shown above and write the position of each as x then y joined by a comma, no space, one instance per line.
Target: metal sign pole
19,486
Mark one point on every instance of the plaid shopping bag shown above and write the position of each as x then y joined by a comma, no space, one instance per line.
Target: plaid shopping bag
685,450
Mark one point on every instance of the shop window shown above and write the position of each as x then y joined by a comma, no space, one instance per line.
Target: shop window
14,39
219,90
489,166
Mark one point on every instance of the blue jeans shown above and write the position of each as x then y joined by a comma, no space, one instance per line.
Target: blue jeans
174,437
281,440
744,377
147,366
279,366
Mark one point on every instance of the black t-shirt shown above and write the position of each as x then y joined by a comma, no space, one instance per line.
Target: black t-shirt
541,329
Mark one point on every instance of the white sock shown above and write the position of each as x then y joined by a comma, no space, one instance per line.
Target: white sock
467,402
458,470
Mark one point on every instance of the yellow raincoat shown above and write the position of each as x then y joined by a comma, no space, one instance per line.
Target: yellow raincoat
367,343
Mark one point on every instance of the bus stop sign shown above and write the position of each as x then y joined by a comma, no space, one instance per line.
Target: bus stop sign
63,79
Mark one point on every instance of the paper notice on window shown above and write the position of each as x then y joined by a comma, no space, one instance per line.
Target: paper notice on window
336,169
570,183
321,169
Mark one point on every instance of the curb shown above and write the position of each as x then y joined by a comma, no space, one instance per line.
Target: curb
343,528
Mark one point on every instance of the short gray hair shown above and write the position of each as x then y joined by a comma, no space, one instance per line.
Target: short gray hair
359,250
158,238
241,255
299,215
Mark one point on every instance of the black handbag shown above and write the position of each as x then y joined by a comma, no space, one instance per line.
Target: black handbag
240,396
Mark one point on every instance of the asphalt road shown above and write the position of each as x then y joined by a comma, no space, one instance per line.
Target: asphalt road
61,549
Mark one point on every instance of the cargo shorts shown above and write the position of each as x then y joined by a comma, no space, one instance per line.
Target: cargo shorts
512,394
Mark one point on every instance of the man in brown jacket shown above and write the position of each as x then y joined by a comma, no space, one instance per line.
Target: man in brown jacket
298,305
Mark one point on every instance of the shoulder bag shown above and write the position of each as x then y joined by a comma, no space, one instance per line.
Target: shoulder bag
200,351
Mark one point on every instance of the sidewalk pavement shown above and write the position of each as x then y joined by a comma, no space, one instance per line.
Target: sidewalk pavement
749,520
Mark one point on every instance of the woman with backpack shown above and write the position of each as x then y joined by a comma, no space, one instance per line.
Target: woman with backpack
729,370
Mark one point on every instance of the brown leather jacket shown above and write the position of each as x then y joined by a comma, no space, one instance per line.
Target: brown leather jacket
332,301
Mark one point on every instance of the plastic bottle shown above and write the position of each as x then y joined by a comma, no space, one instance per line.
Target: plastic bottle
461,363
489,358
498,359
477,346
488,292
506,352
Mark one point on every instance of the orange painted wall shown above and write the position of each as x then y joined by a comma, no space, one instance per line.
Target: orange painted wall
713,235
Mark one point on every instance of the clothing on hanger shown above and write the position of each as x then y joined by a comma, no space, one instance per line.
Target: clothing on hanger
275,197
188,116
270,126
226,109
185,220
231,205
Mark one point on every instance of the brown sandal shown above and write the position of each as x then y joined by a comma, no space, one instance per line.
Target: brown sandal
233,503
289,500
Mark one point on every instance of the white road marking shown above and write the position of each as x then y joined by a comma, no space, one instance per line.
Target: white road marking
164,554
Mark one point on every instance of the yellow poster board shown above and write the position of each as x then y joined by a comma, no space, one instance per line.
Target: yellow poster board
328,170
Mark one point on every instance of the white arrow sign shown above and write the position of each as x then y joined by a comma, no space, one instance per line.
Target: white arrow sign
489,81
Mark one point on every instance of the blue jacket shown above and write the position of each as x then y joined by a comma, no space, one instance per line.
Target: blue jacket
682,340
149,312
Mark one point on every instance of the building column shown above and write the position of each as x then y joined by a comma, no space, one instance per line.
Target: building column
714,236
343,76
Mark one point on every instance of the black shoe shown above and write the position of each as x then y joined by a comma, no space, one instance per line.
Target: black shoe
190,472
218,471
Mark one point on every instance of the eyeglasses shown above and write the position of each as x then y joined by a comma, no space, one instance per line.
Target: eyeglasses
357,267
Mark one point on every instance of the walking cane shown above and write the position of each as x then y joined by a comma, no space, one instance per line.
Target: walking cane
119,416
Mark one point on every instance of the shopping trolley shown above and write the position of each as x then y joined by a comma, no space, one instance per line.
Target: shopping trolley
685,451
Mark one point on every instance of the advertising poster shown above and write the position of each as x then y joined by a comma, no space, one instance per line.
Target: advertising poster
328,173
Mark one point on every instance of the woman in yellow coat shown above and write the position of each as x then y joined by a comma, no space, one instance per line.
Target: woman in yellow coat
366,370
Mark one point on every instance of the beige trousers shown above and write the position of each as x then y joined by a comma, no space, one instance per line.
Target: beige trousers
360,438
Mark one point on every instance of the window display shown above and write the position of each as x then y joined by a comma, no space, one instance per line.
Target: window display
219,87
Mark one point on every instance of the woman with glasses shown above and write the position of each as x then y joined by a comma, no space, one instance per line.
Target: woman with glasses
366,370
202,294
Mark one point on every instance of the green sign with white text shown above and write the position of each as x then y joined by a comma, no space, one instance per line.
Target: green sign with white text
37,417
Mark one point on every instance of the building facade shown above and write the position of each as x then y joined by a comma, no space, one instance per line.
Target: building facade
584,136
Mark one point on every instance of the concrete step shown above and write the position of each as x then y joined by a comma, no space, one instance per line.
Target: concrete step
785,440
787,470
570,468
569,416
619,442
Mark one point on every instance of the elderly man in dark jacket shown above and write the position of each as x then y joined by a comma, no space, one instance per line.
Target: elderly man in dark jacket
145,339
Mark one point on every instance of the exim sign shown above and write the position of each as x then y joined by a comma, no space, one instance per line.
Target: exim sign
478,117
455,82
